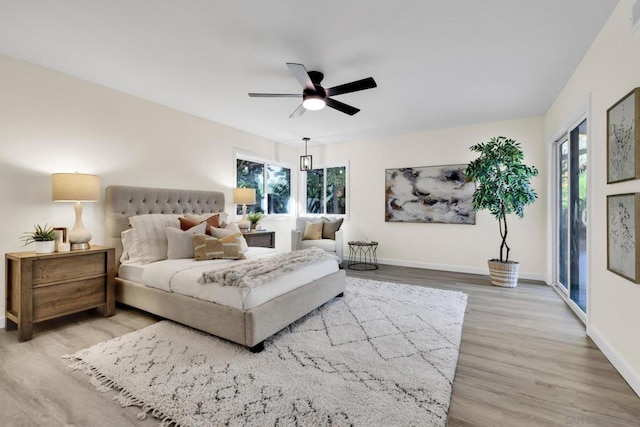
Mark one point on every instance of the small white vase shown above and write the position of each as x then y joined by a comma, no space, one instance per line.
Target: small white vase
45,247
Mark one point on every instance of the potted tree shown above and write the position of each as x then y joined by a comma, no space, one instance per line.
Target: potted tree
44,238
504,188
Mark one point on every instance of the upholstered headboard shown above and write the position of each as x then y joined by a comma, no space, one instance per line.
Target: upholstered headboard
122,201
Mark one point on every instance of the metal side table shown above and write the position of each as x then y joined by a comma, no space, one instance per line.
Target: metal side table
362,255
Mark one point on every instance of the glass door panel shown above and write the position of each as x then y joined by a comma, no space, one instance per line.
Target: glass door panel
571,214
578,232
563,215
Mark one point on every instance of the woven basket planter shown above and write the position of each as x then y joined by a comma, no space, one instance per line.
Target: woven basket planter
504,274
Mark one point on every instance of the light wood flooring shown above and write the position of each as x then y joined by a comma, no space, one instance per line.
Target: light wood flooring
524,361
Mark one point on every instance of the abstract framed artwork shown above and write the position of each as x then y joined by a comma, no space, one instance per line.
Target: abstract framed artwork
623,138
623,230
429,194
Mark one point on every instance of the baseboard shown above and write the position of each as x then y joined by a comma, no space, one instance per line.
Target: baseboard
630,376
455,268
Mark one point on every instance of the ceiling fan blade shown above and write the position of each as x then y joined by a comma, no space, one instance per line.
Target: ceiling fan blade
341,106
275,95
298,112
363,84
301,74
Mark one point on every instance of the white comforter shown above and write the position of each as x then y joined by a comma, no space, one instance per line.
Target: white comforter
181,276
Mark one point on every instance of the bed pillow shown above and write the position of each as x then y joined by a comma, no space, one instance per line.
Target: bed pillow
227,231
180,243
208,247
150,236
190,221
128,247
313,231
329,227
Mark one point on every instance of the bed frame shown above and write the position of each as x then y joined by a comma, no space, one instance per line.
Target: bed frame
246,327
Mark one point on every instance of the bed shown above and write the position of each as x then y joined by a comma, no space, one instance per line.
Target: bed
246,326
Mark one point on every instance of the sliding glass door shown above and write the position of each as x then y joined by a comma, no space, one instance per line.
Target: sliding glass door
571,215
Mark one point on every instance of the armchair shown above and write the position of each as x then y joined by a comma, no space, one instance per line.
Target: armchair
330,245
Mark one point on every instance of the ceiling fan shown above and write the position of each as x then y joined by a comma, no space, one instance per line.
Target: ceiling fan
314,96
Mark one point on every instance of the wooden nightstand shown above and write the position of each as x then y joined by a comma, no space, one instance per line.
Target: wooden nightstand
45,286
263,239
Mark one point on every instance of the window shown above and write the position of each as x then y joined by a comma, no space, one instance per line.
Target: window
271,182
326,191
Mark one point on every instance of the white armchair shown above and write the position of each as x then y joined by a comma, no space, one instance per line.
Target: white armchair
330,245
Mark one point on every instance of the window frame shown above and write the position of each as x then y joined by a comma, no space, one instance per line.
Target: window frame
239,155
347,184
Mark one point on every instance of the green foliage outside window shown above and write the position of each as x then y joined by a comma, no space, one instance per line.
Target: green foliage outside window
277,190
330,196
336,191
251,175
315,191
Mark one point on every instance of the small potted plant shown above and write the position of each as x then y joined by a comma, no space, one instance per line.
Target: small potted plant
504,187
254,218
44,238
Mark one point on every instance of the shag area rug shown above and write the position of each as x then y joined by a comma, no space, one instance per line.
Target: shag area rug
383,355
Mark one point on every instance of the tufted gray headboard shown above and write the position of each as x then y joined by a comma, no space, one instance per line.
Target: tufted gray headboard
122,201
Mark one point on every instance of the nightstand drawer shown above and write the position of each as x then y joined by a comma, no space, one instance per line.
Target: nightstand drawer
46,270
55,300
264,239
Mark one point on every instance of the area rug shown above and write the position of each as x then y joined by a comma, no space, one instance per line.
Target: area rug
383,355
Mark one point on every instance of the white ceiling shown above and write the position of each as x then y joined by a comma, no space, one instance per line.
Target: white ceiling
437,63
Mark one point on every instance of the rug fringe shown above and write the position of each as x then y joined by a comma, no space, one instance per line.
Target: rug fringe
104,384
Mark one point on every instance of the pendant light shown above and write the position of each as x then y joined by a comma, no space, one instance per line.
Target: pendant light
306,161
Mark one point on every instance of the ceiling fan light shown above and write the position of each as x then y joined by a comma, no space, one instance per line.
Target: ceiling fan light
313,103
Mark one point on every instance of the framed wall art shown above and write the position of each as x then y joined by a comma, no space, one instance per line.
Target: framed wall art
623,233
431,194
623,138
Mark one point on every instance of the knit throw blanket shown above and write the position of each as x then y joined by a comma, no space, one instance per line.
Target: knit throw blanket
259,271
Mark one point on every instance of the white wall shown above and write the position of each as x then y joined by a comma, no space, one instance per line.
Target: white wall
51,122
609,70
441,246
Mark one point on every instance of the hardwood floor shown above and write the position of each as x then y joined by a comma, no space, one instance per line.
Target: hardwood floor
524,361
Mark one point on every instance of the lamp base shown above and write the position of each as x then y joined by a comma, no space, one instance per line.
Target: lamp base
244,226
80,246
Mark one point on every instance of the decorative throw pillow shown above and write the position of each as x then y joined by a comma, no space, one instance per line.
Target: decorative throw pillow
208,247
189,221
180,243
222,218
330,227
312,231
301,221
227,231
150,237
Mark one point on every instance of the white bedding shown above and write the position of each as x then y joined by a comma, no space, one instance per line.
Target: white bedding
181,275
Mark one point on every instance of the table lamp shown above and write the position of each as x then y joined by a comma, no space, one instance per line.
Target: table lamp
244,196
76,187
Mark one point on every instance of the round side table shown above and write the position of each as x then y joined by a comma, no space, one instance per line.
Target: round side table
362,255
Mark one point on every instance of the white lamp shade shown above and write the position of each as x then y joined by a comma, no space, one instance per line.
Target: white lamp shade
244,196
75,187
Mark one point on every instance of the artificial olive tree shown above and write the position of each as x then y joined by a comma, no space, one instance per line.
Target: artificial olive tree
503,182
